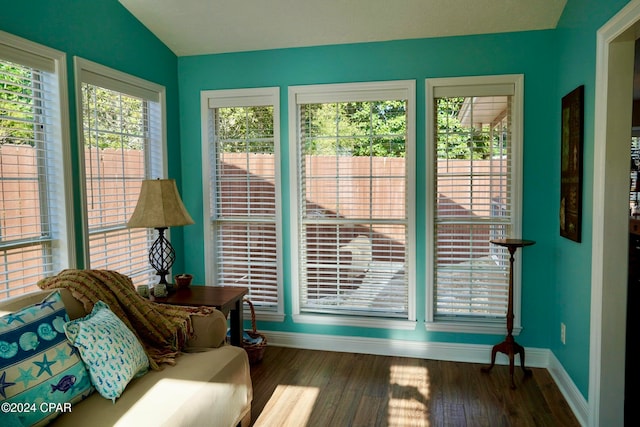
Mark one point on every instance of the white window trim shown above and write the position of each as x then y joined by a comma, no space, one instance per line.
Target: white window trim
90,72
480,84
240,98
65,254
352,92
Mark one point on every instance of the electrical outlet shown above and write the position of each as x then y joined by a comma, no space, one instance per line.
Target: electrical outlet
563,333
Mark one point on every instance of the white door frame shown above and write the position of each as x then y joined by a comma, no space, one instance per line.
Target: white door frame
610,232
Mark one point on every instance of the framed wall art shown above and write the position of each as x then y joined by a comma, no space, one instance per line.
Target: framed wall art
571,164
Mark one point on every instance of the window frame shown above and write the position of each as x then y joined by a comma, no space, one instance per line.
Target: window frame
244,97
31,54
90,72
351,92
469,85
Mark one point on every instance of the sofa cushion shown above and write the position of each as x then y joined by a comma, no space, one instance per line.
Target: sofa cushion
208,388
37,362
112,353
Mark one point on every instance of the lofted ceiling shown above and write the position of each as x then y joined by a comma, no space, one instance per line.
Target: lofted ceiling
196,27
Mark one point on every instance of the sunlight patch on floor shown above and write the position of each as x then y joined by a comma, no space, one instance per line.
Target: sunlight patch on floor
409,396
291,405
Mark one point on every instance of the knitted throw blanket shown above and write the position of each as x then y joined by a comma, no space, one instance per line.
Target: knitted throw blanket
161,328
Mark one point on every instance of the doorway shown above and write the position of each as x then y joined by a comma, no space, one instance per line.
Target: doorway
609,275
631,370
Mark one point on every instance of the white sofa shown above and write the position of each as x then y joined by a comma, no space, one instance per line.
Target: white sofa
210,384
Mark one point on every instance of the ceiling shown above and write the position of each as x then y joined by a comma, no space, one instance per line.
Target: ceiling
197,27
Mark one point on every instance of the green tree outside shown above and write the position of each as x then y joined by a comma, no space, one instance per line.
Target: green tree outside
17,118
113,120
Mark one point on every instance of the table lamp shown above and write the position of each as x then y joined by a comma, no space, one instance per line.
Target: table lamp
160,206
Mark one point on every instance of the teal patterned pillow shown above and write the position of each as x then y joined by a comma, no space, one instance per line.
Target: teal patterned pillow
38,365
112,353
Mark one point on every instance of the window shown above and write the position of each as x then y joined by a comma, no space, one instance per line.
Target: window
242,196
474,153
122,120
352,165
35,225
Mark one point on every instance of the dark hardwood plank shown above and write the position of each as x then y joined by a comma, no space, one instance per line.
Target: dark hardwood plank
294,387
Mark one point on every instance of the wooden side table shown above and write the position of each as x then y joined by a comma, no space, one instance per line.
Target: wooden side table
509,346
227,299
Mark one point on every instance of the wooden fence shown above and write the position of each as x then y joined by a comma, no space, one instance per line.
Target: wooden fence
19,206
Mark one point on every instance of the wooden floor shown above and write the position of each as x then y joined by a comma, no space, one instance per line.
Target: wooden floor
298,388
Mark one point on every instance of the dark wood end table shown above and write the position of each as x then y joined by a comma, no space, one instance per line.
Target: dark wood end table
509,346
227,299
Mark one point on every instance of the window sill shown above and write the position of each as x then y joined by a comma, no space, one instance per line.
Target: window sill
471,327
363,322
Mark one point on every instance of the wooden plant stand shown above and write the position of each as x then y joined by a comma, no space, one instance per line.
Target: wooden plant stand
509,346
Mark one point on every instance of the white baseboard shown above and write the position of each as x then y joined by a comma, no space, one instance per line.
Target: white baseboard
471,353
574,398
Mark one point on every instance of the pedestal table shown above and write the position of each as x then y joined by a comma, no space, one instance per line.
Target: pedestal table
509,346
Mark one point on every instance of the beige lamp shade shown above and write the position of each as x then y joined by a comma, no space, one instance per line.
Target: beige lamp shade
159,205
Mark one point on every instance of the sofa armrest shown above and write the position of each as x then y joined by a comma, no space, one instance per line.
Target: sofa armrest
209,331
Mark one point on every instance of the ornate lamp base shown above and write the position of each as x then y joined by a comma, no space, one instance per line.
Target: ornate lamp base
162,256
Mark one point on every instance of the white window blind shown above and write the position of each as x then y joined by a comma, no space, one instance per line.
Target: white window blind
476,198
122,134
353,171
244,192
33,232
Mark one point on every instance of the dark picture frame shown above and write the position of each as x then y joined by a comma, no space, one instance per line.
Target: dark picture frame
572,140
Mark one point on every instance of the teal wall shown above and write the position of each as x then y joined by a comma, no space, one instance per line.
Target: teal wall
576,34
102,31
530,53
